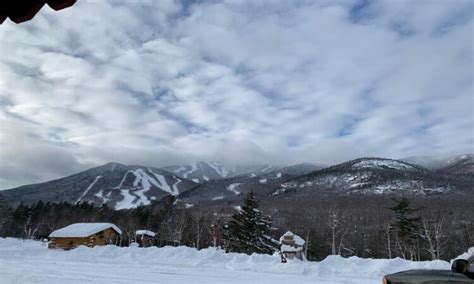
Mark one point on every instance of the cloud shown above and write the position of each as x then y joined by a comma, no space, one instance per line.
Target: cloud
165,82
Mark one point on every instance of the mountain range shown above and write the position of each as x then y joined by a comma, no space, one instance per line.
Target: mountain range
128,186
205,171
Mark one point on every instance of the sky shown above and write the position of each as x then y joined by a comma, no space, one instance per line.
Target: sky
242,82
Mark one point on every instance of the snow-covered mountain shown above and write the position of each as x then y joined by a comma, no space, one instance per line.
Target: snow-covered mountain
370,176
439,162
232,188
227,189
301,169
199,171
121,186
205,171
117,185
253,170
459,165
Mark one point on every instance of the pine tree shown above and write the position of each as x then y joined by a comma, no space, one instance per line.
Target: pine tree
406,225
248,230
5,216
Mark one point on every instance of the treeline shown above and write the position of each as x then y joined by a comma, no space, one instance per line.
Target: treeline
174,226
411,227
365,226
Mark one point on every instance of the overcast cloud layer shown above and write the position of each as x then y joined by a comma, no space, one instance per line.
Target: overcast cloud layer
165,82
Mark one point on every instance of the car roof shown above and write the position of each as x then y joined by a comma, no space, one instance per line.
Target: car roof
423,275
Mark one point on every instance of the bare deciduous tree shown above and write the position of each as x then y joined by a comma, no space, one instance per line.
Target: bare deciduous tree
338,232
432,233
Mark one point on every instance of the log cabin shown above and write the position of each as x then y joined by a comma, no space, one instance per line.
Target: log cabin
87,234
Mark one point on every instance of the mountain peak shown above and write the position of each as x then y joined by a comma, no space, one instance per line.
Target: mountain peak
436,162
371,176
381,163
117,185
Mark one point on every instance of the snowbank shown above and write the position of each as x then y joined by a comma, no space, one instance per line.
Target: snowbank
31,262
469,256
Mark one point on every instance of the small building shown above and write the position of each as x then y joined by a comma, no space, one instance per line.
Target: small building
144,238
291,247
87,234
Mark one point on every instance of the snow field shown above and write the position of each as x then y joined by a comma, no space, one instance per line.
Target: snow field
31,262
232,187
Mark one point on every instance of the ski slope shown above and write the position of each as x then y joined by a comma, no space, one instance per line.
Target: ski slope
32,262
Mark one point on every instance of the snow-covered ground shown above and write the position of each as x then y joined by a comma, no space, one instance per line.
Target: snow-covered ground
32,262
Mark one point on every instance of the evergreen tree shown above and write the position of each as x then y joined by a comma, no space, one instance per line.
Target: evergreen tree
406,225
248,230
5,216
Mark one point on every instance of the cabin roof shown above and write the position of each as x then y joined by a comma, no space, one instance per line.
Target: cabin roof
289,235
81,230
145,232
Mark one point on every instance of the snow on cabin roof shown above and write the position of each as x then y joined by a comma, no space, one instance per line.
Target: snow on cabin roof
145,232
298,240
82,230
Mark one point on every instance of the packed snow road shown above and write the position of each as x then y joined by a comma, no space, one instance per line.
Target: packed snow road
32,262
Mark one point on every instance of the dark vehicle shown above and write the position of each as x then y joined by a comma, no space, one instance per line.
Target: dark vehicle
459,273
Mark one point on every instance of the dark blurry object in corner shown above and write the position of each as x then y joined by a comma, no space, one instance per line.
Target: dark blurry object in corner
24,10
